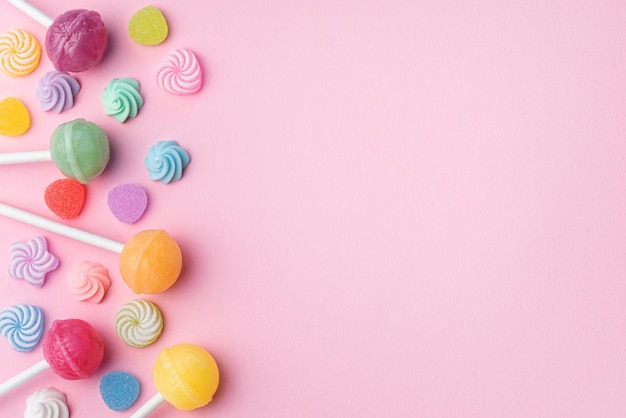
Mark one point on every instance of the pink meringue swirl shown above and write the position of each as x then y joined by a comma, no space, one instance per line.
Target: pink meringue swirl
89,281
180,73
56,91
31,261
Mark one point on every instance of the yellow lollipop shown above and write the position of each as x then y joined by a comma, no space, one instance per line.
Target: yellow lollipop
186,376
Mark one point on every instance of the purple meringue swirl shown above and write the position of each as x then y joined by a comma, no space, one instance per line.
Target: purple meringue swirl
31,261
56,91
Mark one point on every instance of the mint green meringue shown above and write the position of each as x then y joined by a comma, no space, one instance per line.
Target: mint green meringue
121,99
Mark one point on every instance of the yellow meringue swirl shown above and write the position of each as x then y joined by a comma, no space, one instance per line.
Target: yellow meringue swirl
19,53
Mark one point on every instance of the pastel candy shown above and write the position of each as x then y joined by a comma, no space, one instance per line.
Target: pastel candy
22,326
150,262
139,323
148,26
181,73
65,198
76,40
19,53
73,349
46,403
119,390
14,117
121,99
166,161
186,375
80,150
89,281
56,91
32,261
127,202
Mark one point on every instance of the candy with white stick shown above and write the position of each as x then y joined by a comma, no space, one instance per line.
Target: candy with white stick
150,261
75,41
186,376
79,149
72,348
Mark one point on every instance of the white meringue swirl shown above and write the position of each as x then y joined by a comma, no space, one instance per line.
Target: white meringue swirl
46,403
181,73
139,323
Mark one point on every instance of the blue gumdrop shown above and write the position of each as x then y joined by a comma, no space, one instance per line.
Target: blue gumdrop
119,390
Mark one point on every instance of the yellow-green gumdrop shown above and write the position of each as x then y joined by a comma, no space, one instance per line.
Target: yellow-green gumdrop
14,117
148,26
186,375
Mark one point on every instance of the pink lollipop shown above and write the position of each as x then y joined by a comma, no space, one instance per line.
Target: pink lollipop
72,348
75,40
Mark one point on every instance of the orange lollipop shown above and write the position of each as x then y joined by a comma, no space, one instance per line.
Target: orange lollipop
150,262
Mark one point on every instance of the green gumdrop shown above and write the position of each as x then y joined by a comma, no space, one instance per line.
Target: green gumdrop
148,26
80,150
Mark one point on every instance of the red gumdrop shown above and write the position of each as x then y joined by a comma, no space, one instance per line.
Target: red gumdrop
73,349
76,40
65,197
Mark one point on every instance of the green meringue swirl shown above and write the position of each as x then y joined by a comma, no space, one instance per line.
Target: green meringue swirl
121,99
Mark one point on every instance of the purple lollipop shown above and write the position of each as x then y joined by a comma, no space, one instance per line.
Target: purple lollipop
75,40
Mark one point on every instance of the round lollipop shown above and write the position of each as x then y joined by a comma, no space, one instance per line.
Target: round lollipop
72,348
79,148
150,262
186,376
75,40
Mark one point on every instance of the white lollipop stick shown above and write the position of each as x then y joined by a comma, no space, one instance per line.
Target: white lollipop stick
23,377
32,12
25,157
150,405
61,229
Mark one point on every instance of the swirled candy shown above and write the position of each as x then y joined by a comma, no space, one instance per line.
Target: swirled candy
46,403
166,161
56,91
22,326
181,73
121,99
19,53
31,261
139,323
89,281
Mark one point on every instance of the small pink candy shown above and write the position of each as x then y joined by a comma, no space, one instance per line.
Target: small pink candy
76,40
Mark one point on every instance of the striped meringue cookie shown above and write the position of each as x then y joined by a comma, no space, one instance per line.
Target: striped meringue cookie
19,53
22,326
46,403
56,91
181,73
89,281
32,261
139,323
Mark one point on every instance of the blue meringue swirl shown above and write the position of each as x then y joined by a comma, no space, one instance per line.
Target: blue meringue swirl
22,326
166,161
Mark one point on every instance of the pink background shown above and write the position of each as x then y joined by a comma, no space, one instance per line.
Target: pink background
403,208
